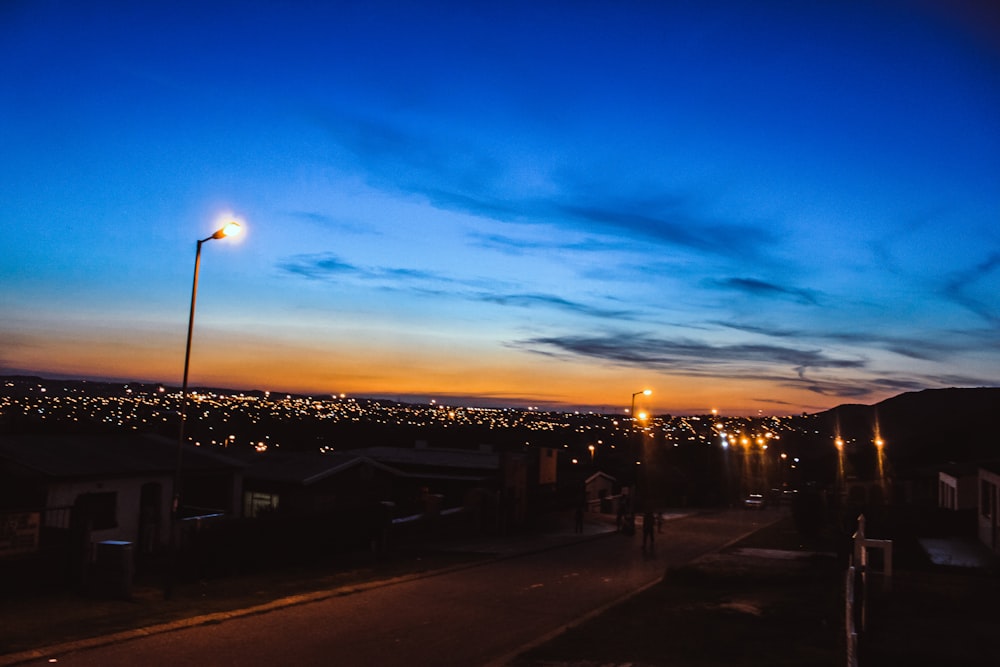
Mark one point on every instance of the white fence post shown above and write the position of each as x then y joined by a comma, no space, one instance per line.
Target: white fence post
851,633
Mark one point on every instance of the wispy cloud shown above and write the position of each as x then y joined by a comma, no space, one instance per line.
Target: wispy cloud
684,355
319,267
513,245
765,289
457,175
556,303
671,221
757,362
959,288
804,367
854,388
332,222
925,349
326,266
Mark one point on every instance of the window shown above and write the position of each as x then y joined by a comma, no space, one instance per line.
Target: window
987,499
98,510
255,504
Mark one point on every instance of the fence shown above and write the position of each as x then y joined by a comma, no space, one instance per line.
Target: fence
856,587
852,633
38,549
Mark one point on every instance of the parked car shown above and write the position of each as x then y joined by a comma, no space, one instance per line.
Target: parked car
783,495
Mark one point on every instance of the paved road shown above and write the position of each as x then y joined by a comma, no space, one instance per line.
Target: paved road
472,616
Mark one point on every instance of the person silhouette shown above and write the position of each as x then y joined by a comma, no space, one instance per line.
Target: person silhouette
648,529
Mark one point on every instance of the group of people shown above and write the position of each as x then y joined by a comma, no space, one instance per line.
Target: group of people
652,523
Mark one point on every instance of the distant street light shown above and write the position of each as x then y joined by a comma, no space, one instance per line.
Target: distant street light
644,392
636,451
230,229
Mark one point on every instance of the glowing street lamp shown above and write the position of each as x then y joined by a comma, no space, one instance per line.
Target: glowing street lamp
229,229
644,392
635,454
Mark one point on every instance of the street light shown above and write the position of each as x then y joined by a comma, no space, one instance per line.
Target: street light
230,229
643,392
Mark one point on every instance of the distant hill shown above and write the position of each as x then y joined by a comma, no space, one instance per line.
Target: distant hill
928,427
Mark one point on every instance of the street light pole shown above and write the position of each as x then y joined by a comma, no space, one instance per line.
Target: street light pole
644,392
636,451
230,229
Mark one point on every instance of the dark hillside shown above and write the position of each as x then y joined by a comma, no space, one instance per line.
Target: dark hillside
926,427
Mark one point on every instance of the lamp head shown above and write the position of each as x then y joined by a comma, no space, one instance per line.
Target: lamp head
230,229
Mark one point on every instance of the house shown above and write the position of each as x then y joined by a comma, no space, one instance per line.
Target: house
278,482
310,503
493,486
988,520
88,489
957,485
600,489
445,474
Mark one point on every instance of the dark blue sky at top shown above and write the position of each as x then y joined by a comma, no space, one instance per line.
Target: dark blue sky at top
753,205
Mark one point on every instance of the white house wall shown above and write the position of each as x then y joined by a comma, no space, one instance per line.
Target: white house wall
128,495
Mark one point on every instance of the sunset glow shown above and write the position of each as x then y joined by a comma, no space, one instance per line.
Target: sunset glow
758,207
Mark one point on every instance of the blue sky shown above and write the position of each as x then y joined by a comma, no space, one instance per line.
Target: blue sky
774,206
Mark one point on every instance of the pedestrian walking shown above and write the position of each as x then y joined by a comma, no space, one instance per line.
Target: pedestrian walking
648,529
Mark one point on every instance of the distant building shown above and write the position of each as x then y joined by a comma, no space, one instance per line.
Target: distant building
600,489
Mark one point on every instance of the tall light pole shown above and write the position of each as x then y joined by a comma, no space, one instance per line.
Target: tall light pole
636,451
230,229
644,392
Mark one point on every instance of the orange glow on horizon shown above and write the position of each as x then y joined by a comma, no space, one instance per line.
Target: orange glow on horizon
235,360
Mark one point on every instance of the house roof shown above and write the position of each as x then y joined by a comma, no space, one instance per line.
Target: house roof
307,468
960,469
433,458
113,455
991,466
304,467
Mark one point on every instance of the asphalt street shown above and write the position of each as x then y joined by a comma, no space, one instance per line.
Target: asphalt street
480,615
